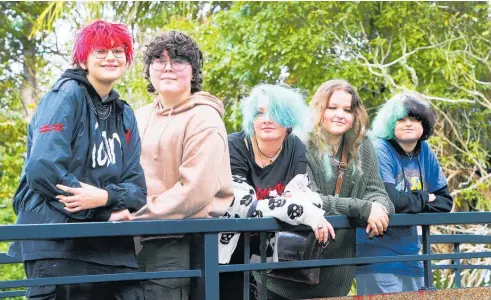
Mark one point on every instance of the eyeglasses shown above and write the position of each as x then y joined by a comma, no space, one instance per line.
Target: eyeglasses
118,52
178,64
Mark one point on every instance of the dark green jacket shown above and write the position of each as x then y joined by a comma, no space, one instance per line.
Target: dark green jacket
358,191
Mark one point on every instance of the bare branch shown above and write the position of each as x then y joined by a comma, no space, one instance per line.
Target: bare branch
481,180
406,55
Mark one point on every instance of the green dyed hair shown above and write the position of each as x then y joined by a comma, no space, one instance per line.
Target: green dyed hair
284,105
400,106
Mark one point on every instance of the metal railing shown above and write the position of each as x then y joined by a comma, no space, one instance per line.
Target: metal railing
205,275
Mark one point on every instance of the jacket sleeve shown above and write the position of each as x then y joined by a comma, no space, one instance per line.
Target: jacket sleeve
198,181
374,191
300,208
443,201
407,202
52,129
438,186
130,193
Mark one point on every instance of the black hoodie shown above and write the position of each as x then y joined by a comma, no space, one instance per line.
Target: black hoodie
417,201
76,137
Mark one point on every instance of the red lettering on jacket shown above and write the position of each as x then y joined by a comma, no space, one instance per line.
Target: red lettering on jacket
51,127
44,129
128,136
57,127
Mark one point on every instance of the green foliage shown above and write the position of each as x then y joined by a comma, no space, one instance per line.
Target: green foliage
18,49
440,49
12,149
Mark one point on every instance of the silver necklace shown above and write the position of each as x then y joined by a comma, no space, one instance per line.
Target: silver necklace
102,111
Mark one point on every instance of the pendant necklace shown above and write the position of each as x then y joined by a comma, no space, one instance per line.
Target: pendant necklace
270,157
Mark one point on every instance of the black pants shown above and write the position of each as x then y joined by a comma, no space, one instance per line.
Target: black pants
168,254
43,268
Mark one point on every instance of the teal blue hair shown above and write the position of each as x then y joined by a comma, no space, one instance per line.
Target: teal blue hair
284,105
399,107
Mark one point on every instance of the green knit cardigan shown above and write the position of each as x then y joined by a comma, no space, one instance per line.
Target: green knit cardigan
359,190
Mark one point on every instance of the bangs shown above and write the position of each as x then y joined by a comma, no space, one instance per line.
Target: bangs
107,44
399,107
416,109
102,35
284,105
385,121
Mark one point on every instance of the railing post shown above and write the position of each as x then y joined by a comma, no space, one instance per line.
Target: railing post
456,262
428,274
205,253
247,255
263,291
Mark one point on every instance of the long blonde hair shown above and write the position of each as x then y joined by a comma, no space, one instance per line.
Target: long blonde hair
317,136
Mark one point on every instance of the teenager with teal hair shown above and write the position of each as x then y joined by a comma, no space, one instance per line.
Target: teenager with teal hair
340,122
415,183
269,164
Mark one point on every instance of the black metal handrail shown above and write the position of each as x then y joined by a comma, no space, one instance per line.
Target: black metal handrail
207,274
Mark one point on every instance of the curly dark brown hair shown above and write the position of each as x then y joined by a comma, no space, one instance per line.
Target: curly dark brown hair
177,44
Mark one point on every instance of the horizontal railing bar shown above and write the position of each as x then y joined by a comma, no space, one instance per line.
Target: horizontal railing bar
104,229
99,278
460,238
4,259
348,261
12,294
457,267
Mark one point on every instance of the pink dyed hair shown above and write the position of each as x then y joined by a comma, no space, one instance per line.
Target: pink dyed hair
101,34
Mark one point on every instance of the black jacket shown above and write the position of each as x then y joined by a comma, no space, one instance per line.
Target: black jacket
76,137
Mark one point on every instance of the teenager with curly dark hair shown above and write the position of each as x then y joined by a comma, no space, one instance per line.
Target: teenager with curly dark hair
415,183
185,156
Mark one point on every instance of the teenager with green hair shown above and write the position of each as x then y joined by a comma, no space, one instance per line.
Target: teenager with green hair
268,166
340,122
415,183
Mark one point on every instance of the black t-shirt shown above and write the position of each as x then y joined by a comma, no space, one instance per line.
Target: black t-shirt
291,161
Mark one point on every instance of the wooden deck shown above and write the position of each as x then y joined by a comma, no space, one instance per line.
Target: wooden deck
479,293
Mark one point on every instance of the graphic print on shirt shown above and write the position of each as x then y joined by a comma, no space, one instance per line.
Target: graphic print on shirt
263,193
100,157
413,181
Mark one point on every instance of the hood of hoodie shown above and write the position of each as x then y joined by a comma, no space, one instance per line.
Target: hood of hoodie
81,76
199,98
401,151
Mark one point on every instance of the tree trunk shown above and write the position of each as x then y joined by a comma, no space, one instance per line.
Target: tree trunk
28,87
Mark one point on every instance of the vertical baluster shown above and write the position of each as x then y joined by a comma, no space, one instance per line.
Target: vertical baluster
247,255
456,262
263,293
207,287
428,275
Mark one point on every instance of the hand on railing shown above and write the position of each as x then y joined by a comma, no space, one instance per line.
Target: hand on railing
323,230
122,215
378,221
85,197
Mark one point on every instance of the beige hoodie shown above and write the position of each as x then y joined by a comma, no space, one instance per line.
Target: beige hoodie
185,158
